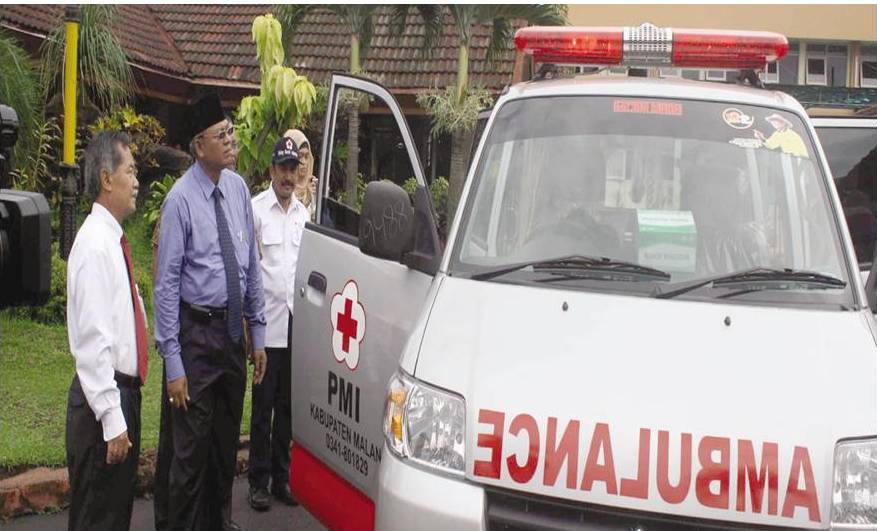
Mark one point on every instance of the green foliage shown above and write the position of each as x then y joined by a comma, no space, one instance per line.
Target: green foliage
105,78
438,189
285,100
447,115
158,190
19,90
145,131
340,194
36,171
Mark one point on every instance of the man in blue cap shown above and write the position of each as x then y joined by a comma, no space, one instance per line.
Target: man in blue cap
208,281
280,221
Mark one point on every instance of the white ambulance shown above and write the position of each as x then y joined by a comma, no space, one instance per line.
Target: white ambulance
646,315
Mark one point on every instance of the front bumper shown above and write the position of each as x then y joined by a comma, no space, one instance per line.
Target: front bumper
412,498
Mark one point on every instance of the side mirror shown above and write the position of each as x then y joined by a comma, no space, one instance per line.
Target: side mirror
386,223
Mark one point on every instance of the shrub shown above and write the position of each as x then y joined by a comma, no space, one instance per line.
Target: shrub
37,171
145,131
158,190
438,189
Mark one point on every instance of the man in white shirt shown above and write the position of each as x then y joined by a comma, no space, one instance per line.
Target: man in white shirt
279,219
106,326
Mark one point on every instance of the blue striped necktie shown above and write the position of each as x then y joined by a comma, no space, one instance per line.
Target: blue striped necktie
232,283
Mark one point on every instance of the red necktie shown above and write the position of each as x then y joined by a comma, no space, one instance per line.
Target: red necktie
139,320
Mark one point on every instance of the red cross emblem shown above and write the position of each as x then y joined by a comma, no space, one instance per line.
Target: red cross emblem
348,325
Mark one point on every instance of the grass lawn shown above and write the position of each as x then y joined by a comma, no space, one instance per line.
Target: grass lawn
36,369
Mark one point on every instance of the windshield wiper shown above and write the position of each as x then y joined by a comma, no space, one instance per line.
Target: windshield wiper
758,275
576,263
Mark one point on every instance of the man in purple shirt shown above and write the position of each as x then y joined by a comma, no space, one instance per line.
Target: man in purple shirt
208,280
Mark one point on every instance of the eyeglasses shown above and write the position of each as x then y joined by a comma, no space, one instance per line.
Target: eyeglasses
221,136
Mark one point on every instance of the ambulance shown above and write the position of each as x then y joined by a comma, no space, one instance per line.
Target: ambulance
646,314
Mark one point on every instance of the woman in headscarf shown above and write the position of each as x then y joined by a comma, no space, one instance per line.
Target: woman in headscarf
306,184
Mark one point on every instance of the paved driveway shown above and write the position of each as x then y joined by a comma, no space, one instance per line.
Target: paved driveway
280,517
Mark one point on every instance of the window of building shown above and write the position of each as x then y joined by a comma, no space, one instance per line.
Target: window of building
771,74
868,67
816,64
787,70
836,65
691,73
670,72
716,75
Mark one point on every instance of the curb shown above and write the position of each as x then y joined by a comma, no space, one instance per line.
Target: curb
44,489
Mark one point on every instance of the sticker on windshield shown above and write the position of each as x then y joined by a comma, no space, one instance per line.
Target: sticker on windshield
737,118
664,108
783,137
747,143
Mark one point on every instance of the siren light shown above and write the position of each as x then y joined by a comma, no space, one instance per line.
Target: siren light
648,45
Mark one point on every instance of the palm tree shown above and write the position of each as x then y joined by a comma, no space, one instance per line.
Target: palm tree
18,89
359,20
461,119
105,77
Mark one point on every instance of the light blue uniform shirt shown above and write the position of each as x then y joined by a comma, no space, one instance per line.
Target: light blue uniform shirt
190,267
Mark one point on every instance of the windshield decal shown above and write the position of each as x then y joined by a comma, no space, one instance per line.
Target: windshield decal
783,137
771,478
737,118
746,143
663,108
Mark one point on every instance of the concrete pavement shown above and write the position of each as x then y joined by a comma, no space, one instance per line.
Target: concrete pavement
280,517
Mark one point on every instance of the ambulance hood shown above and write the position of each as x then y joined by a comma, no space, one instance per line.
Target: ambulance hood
653,405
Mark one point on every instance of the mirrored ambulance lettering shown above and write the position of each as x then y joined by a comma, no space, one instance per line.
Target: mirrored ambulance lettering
706,468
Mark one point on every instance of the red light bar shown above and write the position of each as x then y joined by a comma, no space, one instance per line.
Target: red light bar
717,49
565,45
648,45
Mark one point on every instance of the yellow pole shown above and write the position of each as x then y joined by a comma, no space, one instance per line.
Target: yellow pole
69,171
71,54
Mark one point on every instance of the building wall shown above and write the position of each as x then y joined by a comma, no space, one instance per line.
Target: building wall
849,22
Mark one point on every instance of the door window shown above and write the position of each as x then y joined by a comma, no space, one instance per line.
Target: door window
367,145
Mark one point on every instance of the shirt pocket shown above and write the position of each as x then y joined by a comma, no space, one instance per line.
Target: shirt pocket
271,241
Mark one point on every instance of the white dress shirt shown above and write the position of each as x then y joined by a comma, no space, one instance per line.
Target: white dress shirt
279,236
100,316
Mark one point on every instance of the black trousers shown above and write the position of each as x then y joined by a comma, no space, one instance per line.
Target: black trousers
102,495
271,420
198,447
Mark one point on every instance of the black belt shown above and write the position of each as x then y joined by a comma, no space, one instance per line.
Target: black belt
124,380
205,312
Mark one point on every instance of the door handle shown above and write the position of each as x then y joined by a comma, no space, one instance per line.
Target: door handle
317,281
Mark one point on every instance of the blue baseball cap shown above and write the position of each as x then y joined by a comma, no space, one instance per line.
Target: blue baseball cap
285,151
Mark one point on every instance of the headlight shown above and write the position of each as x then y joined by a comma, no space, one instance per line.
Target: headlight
854,496
425,424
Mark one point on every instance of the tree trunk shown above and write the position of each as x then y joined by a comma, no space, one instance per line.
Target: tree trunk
352,130
460,142
352,155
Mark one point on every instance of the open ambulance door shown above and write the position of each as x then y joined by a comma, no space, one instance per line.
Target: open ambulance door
353,312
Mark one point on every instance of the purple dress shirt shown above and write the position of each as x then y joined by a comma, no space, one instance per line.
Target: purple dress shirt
190,265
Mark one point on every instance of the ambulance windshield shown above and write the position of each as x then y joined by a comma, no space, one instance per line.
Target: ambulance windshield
692,188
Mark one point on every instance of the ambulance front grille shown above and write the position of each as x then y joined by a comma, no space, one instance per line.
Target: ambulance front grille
514,511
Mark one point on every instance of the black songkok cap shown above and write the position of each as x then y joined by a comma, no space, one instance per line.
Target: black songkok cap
206,112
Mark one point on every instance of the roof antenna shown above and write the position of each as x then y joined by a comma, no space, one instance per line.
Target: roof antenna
748,76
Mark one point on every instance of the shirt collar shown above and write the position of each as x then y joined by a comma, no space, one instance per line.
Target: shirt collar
274,201
103,215
205,182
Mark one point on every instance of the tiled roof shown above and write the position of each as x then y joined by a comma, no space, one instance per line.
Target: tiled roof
138,30
321,46
211,44
214,40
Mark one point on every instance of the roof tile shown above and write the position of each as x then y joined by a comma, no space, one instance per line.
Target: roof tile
213,43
